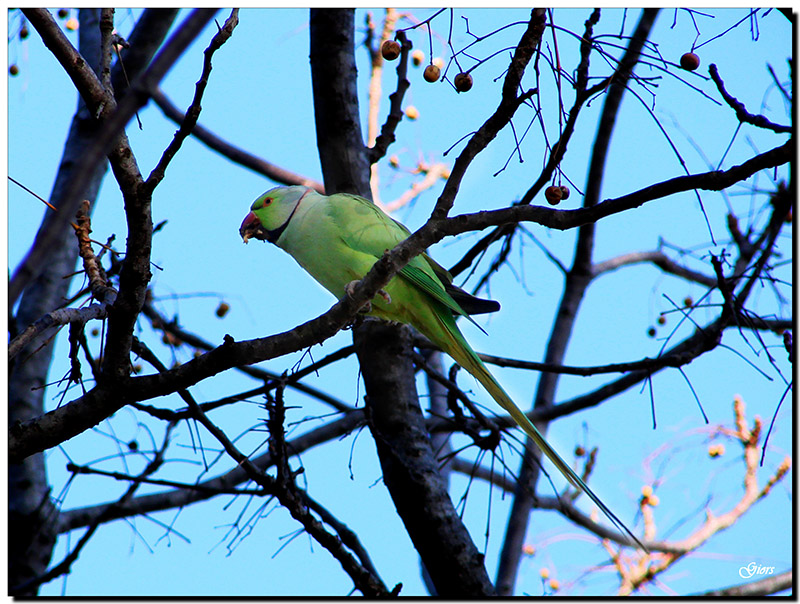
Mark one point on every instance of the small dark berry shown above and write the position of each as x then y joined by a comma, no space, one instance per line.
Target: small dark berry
462,82
431,73
13,70
690,61
554,195
222,309
390,50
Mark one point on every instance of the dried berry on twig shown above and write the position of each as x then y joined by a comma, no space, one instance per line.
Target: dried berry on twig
390,50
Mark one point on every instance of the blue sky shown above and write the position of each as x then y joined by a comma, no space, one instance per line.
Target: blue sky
259,98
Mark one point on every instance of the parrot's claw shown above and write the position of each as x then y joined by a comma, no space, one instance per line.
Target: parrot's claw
349,288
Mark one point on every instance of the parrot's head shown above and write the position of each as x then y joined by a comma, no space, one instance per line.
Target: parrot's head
270,214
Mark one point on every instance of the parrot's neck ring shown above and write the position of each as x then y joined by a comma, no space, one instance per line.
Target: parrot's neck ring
275,234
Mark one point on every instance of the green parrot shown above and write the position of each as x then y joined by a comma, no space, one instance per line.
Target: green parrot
338,238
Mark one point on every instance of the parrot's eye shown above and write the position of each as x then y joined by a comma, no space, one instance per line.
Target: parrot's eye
266,202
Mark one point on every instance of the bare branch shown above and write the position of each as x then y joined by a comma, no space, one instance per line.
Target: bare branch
661,260
193,113
234,153
741,112
395,115
755,589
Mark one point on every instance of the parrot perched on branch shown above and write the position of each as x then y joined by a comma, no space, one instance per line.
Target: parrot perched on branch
338,238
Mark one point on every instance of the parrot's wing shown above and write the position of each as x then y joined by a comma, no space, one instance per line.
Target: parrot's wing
367,229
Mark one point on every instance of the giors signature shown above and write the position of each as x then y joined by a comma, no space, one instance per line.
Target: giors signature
752,569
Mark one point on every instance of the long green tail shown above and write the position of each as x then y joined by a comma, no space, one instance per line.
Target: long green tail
454,344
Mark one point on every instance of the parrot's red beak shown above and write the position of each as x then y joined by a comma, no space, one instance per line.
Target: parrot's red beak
251,227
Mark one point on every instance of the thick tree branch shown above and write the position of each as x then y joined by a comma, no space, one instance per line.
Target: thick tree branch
342,153
410,469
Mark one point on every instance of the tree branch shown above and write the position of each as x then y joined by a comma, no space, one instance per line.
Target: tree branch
193,113
232,152
741,112
754,589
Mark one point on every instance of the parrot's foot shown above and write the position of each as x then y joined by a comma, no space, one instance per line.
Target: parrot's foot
367,308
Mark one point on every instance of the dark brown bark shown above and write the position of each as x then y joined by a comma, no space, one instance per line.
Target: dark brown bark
410,469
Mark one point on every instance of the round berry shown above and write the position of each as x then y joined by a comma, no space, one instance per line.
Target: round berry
554,195
13,70
690,61
462,82
390,50
222,309
412,112
662,320
63,13
24,32
651,331
564,192
431,73
71,24
417,57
